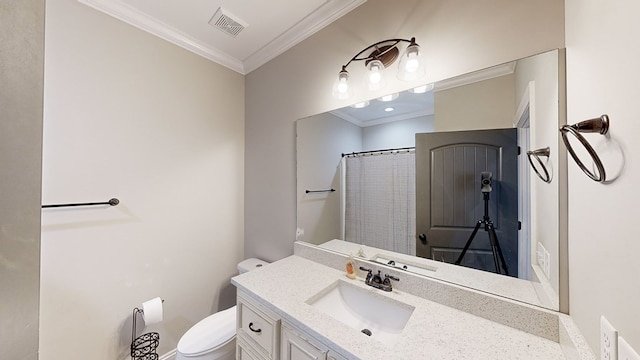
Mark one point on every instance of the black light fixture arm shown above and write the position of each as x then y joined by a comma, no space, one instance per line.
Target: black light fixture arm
389,45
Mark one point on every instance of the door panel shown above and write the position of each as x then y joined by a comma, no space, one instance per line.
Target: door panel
449,201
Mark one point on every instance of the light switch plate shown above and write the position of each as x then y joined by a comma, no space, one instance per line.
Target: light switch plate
625,351
608,340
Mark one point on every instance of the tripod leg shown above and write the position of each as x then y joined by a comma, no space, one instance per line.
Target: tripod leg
466,246
495,246
492,242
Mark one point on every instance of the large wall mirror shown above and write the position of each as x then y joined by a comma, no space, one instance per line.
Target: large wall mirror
402,180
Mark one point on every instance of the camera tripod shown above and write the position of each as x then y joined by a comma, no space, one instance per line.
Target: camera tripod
493,238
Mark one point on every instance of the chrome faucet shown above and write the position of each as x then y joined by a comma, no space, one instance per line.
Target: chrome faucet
377,281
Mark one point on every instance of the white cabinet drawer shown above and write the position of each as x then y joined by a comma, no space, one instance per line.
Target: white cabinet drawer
296,346
243,352
260,329
332,355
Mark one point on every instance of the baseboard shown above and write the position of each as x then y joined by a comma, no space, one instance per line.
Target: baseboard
171,355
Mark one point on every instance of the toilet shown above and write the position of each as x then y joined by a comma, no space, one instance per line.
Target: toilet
214,337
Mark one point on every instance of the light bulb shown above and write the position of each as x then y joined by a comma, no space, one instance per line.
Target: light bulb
375,80
342,86
341,89
375,77
411,65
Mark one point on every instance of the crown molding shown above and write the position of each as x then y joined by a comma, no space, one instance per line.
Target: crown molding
476,76
330,11
142,21
381,120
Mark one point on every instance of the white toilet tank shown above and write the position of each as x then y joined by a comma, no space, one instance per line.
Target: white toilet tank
250,264
213,338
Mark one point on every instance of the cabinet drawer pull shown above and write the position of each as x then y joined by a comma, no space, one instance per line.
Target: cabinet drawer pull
254,330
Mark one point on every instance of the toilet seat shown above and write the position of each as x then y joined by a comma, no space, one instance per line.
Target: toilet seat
211,333
230,344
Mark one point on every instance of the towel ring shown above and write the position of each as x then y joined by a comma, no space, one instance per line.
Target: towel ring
536,154
599,125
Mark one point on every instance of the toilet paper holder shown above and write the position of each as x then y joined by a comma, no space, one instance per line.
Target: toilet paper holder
144,346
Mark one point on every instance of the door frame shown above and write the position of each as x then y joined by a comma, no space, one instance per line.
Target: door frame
525,114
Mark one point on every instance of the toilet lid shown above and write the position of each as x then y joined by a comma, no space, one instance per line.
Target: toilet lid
211,332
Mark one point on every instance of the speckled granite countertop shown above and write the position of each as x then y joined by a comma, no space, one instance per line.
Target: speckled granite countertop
434,331
510,287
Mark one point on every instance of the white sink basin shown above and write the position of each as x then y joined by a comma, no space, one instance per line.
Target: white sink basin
364,309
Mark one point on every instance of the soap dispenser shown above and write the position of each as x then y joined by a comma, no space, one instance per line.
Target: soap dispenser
361,253
350,267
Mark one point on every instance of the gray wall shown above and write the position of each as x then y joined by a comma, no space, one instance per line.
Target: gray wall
21,76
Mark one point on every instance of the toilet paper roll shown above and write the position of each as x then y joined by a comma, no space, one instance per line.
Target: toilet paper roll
152,311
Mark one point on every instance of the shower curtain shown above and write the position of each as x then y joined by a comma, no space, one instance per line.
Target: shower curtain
380,200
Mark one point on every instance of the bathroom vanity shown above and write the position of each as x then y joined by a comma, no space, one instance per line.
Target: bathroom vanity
298,308
262,334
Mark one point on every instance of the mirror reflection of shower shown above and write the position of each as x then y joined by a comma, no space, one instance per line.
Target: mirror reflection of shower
474,102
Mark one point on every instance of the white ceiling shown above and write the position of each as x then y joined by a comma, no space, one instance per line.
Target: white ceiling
271,27
407,106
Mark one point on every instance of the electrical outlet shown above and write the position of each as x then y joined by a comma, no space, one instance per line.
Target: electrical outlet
540,255
608,340
547,263
544,259
625,351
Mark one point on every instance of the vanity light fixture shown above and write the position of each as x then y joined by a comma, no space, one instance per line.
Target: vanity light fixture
378,57
360,105
421,89
389,97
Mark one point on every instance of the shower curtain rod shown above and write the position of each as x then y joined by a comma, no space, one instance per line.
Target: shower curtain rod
377,151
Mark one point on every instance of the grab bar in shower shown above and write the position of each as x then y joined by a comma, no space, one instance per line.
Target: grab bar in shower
112,202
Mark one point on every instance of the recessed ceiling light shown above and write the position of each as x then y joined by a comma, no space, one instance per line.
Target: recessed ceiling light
389,109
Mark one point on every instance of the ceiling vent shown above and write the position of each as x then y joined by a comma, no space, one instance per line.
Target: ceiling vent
227,22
